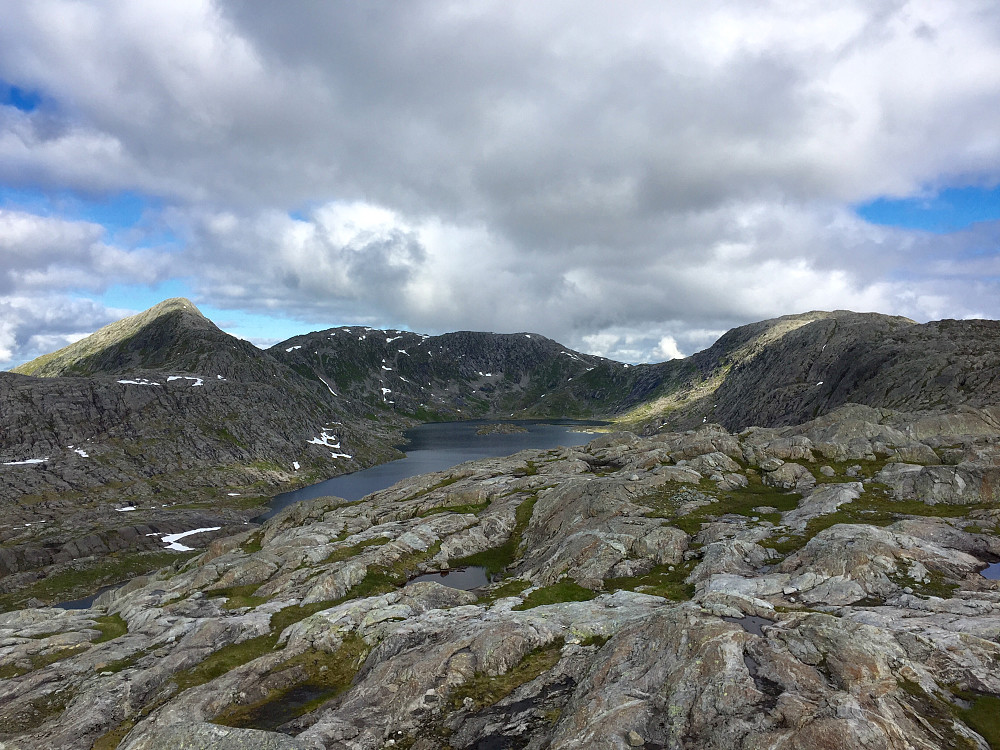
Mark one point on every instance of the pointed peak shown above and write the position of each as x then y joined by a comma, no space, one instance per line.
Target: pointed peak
109,348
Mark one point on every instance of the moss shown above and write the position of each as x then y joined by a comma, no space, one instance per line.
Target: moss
498,559
467,508
238,596
322,676
225,659
660,581
529,469
346,553
39,660
120,665
111,627
510,588
88,578
36,712
253,544
742,501
937,714
485,690
983,716
112,738
563,591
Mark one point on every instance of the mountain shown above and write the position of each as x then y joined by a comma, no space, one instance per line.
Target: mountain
165,412
791,369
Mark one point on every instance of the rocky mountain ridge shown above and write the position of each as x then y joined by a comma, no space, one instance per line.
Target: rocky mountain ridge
165,412
817,585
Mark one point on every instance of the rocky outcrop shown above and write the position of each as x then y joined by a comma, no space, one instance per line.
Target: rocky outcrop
644,599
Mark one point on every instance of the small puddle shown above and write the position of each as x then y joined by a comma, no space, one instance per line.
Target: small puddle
751,624
87,601
992,572
459,578
298,700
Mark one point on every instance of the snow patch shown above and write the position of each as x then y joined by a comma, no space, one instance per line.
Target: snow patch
293,348
403,351
197,381
126,509
80,452
26,461
295,465
233,494
140,381
394,338
171,539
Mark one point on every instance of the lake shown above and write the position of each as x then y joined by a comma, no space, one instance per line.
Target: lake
436,447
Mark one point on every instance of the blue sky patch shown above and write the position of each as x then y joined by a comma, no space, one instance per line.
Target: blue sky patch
22,99
949,210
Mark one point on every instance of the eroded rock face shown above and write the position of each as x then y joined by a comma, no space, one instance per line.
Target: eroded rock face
685,590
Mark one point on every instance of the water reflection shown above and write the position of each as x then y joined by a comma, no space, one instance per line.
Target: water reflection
436,447
460,578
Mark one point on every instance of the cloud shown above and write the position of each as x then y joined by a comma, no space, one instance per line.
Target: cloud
34,325
45,254
614,176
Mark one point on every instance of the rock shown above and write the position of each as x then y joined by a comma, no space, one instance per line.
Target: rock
635,739
790,476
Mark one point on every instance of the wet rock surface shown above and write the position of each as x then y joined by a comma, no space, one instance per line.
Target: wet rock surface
650,592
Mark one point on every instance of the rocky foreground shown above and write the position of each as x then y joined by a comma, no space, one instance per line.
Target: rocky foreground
815,586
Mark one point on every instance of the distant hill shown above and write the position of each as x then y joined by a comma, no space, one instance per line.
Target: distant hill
165,410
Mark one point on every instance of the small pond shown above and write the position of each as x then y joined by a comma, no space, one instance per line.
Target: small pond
992,572
460,578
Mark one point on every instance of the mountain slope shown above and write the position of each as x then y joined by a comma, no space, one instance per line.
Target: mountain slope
831,359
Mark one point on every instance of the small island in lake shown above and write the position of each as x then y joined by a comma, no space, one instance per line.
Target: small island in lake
500,428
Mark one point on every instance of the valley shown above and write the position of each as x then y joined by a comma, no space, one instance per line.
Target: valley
778,541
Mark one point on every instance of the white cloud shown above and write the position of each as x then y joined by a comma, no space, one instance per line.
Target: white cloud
618,177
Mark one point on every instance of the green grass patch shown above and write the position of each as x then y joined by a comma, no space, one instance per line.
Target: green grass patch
940,715
238,596
36,712
225,659
497,559
234,655
563,591
984,717
874,507
665,501
346,553
485,690
381,579
89,577
529,469
323,676
253,544
447,481
467,508
504,590
660,581
120,665
40,660
866,469
112,738
111,627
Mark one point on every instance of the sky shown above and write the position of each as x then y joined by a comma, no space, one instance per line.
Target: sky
631,179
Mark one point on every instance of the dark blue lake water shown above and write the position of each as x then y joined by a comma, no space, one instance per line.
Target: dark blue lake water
436,447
